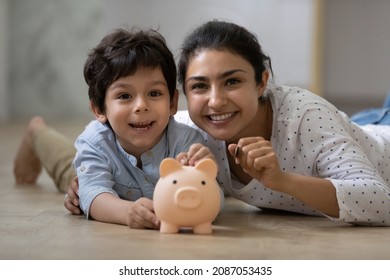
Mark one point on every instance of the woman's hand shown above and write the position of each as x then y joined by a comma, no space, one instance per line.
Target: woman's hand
71,201
258,159
195,153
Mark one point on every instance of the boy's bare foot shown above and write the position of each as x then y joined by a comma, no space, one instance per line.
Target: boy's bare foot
27,165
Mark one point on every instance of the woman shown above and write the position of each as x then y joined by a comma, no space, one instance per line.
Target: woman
297,152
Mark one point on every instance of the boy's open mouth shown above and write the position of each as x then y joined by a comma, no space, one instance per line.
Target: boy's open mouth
141,125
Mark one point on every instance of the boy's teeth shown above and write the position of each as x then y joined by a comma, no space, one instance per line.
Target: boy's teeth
221,117
142,125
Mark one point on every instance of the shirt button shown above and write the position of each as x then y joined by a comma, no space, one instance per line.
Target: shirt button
146,179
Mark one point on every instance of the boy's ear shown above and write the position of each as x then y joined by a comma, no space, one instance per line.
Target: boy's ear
98,115
174,103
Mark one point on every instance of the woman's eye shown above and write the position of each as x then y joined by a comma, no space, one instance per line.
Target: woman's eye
232,82
198,86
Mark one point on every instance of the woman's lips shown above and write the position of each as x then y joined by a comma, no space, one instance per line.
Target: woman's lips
221,117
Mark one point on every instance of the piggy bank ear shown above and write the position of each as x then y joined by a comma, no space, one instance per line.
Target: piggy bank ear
208,166
168,165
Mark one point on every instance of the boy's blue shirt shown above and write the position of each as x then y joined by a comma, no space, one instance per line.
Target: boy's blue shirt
374,115
104,167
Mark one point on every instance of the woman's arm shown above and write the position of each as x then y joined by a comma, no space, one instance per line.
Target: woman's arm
258,159
319,194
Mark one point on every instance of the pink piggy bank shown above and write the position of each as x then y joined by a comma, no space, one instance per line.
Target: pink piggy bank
187,196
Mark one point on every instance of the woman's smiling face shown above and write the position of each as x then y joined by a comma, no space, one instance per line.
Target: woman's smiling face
222,94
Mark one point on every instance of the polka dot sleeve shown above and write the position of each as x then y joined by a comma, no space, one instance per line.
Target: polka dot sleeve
325,144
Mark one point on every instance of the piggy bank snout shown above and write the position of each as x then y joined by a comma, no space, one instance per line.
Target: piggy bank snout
188,197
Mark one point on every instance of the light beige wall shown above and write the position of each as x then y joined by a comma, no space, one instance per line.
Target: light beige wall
49,40
3,61
317,80
356,53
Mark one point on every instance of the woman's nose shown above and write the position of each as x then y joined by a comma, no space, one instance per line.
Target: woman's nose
217,98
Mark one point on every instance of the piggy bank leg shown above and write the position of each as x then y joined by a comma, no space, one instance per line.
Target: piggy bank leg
202,228
168,228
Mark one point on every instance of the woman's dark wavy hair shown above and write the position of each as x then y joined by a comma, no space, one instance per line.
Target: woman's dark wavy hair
221,35
121,53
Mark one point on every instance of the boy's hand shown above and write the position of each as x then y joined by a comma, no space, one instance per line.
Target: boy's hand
195,153
141,215
71,201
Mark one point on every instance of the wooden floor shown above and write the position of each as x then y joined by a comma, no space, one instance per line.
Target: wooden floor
35,225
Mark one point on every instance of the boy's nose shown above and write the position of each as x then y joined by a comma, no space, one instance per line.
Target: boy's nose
141,105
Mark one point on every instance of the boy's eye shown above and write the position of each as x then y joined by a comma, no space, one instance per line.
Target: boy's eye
154,94
124,96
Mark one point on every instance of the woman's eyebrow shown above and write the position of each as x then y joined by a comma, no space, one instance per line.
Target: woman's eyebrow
219,76
197,78
230,72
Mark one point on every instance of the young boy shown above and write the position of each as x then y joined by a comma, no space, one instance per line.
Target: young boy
132,90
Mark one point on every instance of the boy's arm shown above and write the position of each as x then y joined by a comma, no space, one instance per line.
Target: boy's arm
108,208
